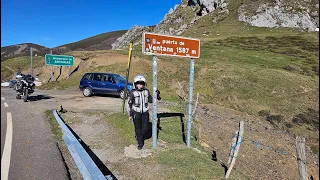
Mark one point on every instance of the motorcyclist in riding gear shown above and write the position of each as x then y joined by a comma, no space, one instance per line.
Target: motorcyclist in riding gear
138,108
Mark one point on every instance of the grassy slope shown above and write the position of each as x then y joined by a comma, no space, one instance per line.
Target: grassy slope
93,40
41,50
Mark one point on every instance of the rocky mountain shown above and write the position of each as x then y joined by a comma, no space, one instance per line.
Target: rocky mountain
130,35
8,52
297,14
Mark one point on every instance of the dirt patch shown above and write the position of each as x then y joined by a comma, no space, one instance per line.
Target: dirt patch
133,152
202,71
107,59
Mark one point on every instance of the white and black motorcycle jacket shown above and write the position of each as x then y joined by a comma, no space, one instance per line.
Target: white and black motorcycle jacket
138,101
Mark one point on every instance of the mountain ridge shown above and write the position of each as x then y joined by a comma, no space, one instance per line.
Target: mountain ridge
298,15
101,41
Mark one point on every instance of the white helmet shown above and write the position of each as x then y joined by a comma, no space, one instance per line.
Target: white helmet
139,78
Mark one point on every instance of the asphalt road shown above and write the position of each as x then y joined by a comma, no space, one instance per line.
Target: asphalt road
34,151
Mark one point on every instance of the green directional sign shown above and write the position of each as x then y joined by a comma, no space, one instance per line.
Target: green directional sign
59,60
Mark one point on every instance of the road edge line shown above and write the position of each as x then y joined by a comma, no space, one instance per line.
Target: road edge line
5,160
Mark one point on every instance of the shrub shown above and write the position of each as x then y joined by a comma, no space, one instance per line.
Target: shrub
288,125
264,113
289,68
275,118
311,117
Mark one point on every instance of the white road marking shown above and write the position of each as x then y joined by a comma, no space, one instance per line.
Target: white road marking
6,105
2,98
5,161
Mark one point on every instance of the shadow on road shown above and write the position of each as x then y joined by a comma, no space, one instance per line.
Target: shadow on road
39,97
105,95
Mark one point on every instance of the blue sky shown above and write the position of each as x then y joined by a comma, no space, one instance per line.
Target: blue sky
53,23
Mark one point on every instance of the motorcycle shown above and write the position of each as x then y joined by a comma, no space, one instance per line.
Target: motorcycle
24,86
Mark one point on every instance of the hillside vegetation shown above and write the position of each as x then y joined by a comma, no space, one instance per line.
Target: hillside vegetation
101,41
22,64
269,73
9,52
246,68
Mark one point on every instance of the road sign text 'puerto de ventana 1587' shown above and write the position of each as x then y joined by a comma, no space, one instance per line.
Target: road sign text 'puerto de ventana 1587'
156,44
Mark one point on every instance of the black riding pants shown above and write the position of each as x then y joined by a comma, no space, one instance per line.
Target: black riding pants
141,126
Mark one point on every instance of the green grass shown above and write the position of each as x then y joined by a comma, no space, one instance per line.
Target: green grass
176,157
54,126
198,165
125,128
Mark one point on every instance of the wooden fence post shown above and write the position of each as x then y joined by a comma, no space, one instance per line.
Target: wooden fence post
233,146
236,150
301,157
183,93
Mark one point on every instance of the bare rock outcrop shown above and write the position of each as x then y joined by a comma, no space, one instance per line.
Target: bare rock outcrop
133,34
175,22
300,15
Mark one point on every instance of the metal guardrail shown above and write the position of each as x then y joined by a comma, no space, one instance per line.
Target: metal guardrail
87,167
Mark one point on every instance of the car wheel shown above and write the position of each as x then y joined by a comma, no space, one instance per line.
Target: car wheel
121,94
87,92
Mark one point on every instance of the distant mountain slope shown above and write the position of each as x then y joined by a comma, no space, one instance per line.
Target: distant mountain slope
98,42
18,50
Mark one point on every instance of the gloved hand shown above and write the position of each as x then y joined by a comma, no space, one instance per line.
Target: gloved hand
158,94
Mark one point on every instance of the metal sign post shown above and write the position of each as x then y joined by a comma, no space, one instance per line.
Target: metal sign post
154,102
127,76
68,72
164,45
190,101
31,61
51,68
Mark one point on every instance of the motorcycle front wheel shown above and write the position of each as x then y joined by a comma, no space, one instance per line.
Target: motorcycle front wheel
25,95
18,96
